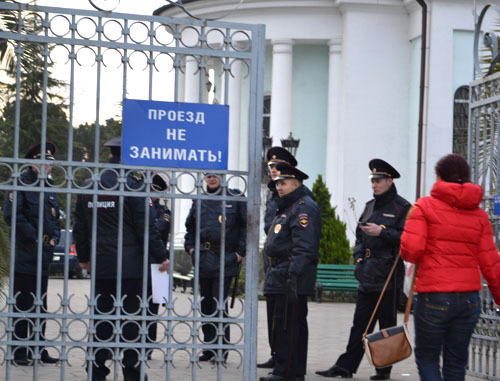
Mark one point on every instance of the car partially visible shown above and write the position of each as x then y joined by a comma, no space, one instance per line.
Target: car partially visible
57,265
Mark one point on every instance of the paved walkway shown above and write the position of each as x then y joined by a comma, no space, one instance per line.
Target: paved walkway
329,325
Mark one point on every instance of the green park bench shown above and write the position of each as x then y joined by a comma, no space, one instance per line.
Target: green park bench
334,278
183,280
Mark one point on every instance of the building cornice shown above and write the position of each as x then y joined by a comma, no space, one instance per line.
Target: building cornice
212,8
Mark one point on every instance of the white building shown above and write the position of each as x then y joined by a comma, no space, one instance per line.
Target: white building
343,76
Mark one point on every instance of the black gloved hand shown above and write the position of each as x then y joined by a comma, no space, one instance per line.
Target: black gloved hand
291,289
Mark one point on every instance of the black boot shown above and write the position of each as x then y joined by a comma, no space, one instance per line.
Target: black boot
47,359
335,371
268,364
381,376
273,377
206,356
22,360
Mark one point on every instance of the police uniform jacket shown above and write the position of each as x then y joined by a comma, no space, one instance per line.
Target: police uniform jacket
271,206
161,216
27,206
378,253
210,235
292,243
107,230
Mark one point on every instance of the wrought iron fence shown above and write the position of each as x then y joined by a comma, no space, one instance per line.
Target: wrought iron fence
156,58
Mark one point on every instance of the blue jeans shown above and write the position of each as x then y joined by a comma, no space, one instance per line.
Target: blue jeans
444,322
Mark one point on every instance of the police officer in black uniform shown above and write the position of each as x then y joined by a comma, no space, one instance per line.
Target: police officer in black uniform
26,251
107,258
210,249
161,216
292,246
274,156
377,244
160,212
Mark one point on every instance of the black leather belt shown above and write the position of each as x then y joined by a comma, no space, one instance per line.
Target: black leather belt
377,254
209,246
278,261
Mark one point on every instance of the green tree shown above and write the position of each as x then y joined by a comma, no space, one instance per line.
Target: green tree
4,251
333,245
84,137
31,111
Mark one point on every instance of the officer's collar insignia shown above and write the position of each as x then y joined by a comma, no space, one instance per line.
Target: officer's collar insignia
304,220
10,196
277,228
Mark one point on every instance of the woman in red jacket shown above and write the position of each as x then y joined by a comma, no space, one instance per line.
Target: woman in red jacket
450,238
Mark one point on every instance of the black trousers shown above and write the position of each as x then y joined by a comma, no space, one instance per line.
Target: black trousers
24,329
289,336
270,316
209,290
106,290
386,317
152,311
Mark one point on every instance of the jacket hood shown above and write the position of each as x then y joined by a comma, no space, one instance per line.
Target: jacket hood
461,196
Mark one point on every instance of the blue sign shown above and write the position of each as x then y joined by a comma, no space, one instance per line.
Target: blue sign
174,134
496,205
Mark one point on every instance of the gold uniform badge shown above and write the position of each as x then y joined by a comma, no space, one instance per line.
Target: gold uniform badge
277,229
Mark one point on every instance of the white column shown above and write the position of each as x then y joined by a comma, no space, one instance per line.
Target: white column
191,80
181,85
281,89
186,183
234,116
334,134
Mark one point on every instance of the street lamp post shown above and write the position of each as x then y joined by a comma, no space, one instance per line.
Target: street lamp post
290,144
267,143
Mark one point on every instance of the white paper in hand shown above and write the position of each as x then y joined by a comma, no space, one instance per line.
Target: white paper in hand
159,283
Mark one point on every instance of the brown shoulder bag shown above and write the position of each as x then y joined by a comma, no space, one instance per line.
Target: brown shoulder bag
389,345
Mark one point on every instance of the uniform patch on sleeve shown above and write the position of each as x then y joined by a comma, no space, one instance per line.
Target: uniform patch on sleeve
166,217
410,212
304,220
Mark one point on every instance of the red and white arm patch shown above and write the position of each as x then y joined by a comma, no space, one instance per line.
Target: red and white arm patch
304,220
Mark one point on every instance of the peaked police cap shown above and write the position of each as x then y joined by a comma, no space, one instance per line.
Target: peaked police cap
35,151
279,154
382,169
288,172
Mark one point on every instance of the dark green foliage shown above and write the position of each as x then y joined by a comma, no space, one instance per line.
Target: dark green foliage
84,137
333,246
31,96
4,250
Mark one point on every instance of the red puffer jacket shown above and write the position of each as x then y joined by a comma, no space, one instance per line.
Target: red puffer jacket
451,239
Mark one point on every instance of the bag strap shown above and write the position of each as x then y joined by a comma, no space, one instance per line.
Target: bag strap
408,302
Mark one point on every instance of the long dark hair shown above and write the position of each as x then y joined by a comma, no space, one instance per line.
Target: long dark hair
453,168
